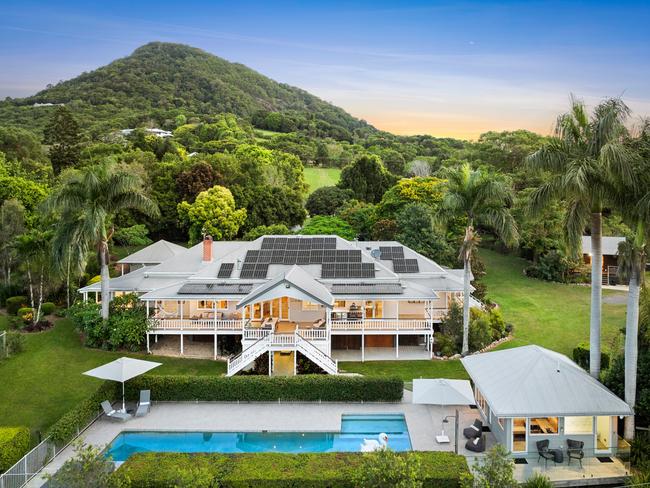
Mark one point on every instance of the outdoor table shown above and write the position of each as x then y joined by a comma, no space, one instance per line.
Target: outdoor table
558,455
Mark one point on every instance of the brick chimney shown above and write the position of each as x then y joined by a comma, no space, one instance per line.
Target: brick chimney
207,249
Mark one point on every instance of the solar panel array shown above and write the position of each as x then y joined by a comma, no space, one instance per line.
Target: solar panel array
215,289
253,269
348,270
391,252
299,243
406,266
225,270
367,289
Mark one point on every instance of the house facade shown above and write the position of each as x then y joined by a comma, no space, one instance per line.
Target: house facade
323,297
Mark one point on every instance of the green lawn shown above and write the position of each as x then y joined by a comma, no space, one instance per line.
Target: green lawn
44,381
318,177
552,315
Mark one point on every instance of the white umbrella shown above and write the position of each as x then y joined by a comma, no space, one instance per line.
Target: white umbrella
441,391
121,370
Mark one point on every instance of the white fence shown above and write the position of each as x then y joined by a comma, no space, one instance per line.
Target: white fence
3,344
25,469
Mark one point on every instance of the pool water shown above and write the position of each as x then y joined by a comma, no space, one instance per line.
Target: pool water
354,429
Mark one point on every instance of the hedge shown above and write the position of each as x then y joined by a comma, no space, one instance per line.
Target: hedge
14,303
48,308
67,427
581,356
14,444
268,388
335,470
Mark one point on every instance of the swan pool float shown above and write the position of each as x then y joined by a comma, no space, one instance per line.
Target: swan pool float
379,444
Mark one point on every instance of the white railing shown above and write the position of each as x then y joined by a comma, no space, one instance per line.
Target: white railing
256,333
316,355
238,362
282,340
3,344
382,324
194,324
29,466
313,334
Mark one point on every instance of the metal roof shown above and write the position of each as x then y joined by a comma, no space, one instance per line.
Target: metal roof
155,253
216,288
532,381
367,289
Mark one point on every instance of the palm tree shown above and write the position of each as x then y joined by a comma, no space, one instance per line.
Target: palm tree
585,159
87,202
482,198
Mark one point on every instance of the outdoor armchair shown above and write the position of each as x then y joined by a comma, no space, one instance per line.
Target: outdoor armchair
476,445
144,404
113,414
474,430
544,452
575,450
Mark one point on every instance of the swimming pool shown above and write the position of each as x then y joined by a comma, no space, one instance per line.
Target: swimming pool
354,429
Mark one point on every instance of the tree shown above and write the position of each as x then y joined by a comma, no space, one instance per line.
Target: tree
482,198
20,144
269,205
12,224
89,468
388,469
367,178
417,231
327,200
266,230
87,202
35,247
585,159
198,178
326,225
214,213
428,191
62,135
495,470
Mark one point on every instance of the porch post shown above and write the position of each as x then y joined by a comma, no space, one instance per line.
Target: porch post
328,329
122,269
85,296
148,350
214,314
147,306
181,342
295,362
397,345
270,362
215,346
363,346
180,305
96,297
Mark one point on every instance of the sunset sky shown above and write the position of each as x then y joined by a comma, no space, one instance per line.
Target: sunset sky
442,68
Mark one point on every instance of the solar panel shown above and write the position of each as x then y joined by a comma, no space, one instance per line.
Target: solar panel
354,270
260,270
303,256
280,243
265,256
277,257
406,266
305,243
329,242
367,270
328,270
215,289
251,256
247,270
316,256
293,244
329,256
268,242
317,242
367,289
354,256
225,270
391,252
290,257
341,270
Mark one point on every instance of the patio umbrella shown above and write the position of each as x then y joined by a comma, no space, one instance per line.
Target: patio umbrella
122,369
441,391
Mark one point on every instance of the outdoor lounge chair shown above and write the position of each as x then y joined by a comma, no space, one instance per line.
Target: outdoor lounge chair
476,445
144,404
575,450
113,414
474,430
544,452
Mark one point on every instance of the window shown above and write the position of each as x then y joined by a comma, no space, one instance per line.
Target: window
310,306
374,309
205,304
578,425
544,425
519,434
284,308
222,304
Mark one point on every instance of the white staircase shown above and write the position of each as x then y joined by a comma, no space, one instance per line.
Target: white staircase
281,342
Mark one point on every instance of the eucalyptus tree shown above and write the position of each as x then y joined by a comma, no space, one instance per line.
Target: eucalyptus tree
34,248
584,160
87,201
482,198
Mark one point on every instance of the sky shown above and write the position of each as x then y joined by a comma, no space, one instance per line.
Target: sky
454,69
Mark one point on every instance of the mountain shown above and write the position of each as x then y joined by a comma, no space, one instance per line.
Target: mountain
161,80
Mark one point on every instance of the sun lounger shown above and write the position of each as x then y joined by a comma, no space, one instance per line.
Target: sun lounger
113,414
144,404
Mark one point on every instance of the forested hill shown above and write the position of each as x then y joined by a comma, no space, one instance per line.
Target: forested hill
161,80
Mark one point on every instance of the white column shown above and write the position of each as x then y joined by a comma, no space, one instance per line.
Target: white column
147,305
96,297
295,362
85,296
270,362
122,269
215,346
397,345
148,350
363,346
181,343
328,328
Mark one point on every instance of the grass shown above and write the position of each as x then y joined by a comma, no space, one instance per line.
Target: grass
319,177
552,315
44,381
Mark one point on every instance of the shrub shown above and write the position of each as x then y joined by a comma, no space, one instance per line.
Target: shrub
538,480
48,308
581,356
25,313
335,470
496,469
268,388
552,266
14,444
15,343
327,200
67,427
388,469
87,320
480,333
15,303
7,291
89,468
127,325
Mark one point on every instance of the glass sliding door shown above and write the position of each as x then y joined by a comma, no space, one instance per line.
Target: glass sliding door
519,435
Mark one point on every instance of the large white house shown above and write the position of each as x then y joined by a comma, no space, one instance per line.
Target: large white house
322,296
